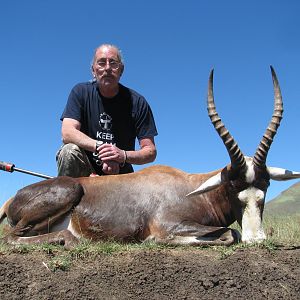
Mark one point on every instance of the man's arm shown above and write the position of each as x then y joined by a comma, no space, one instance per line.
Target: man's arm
71,134
146,153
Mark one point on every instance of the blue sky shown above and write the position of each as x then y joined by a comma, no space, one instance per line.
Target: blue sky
169,49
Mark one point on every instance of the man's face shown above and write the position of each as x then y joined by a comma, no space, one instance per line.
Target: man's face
107,67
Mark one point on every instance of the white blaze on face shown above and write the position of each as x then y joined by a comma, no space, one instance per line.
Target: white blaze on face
252,230
251,198
250,174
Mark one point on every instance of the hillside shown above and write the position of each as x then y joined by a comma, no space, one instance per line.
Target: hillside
286,203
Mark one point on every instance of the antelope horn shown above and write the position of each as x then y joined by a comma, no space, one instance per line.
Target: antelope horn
236,156
260,156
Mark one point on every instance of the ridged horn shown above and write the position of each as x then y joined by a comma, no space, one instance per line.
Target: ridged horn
236,156
261,153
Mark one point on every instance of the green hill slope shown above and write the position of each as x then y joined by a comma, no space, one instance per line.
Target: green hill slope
286,203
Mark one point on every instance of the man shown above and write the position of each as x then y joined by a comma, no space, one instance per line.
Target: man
101,121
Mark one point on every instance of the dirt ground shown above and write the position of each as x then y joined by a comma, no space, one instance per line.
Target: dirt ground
247,273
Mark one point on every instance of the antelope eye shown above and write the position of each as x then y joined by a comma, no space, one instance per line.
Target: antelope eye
261,184
239,186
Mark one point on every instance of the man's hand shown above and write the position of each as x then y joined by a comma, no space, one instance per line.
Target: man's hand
109,152
111,168
146,153
112,157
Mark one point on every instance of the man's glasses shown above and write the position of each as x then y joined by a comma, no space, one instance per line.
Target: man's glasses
114,65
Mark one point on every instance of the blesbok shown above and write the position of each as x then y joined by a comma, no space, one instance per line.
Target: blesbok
158,203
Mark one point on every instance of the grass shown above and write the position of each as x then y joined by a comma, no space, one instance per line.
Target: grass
280,231
283,230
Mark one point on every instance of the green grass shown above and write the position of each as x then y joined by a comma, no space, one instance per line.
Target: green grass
280,231
283,230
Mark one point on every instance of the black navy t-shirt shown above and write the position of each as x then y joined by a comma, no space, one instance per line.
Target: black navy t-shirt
118,120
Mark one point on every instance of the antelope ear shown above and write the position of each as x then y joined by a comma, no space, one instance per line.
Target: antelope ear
208,185
280,174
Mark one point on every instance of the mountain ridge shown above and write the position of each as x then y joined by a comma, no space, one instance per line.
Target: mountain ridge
286,203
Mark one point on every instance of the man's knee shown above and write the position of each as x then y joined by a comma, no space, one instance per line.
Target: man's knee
69,151
72,161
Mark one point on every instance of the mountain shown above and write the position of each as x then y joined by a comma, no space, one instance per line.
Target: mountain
286,203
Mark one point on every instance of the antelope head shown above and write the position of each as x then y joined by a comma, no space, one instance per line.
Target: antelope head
247,178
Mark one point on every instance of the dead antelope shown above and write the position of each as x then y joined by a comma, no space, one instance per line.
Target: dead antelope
158,203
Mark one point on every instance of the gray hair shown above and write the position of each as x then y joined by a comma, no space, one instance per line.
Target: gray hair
119,52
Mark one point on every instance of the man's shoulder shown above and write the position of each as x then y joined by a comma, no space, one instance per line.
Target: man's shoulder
88,85
134,95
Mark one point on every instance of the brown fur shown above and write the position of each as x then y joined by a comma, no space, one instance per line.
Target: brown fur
149,204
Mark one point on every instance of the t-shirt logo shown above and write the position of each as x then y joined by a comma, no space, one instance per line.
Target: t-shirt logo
105,121
105,133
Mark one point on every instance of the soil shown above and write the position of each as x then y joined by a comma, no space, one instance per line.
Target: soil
246,273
